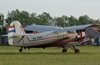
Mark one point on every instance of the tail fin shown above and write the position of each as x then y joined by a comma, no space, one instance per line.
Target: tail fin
15,27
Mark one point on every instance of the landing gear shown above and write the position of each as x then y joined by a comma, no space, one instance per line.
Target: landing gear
64,49
72,47
20,50
77,51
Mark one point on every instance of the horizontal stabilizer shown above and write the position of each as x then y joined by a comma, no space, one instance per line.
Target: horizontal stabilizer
18,35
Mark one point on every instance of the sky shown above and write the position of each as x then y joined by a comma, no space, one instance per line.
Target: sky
56,8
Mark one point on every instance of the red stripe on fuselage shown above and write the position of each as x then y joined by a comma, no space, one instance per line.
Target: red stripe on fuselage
38,40
66,41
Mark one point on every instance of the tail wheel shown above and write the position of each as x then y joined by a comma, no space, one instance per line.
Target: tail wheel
20,50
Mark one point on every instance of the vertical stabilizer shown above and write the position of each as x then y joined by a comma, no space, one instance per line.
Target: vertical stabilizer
15,28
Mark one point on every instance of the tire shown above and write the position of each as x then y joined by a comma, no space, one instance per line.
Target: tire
20,50
77,51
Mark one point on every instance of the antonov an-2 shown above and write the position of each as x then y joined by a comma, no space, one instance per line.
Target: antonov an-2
59,37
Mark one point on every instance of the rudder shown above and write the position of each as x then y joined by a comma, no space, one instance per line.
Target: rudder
15,27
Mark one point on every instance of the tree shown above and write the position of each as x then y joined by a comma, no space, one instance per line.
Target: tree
73,21
1,18
32,18
13,15
44,18
84,20
2,28
22,17
59,21
65,20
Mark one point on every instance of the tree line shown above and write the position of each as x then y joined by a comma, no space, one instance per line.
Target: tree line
25,18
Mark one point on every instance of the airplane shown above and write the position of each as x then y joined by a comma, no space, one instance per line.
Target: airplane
49,36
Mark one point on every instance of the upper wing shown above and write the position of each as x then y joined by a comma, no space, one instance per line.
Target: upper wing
41,28
81,27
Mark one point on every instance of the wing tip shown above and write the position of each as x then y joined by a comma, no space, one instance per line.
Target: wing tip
93,25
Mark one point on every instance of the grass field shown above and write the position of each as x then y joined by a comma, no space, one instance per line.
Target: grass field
89,55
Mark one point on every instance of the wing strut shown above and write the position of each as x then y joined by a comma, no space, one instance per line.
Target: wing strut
81,38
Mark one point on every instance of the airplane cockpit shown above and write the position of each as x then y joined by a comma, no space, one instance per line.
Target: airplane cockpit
31,32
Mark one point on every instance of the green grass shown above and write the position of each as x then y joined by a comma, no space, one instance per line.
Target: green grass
89,55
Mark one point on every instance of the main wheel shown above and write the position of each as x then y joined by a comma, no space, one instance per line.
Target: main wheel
77,51
64,50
